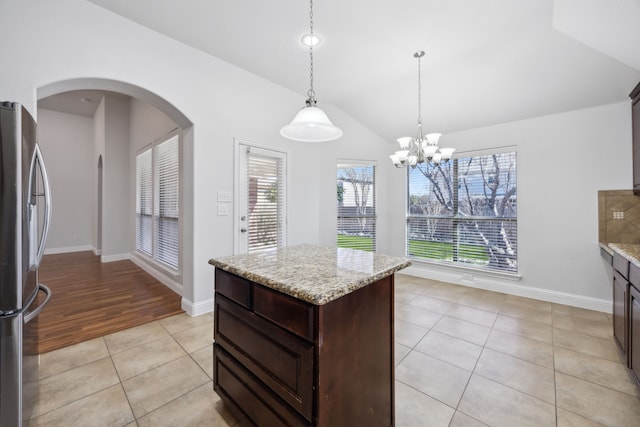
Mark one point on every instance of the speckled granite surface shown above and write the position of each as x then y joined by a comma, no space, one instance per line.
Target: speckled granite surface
629,251
606,247
312,273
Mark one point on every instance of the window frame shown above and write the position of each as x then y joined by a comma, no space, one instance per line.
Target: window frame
456,218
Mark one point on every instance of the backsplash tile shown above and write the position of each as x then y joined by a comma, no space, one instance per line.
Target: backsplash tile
618,216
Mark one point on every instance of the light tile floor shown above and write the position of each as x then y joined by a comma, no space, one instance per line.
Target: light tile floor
464,357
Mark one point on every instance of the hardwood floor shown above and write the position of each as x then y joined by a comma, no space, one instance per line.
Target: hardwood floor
91,299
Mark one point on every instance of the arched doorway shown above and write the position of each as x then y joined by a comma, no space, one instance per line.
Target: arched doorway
185,283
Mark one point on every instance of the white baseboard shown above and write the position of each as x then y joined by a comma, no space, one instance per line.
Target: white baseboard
196,309
509,287
68,249
97,252
115,257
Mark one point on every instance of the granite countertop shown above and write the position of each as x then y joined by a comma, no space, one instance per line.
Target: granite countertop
629,251
606,248
314,274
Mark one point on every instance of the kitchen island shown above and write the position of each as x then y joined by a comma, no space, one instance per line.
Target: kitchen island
304,336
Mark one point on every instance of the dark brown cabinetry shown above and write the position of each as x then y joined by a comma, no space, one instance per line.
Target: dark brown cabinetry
634,332
635,117
282,361
620,300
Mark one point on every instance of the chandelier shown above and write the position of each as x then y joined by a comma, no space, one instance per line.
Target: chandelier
311,124
421,149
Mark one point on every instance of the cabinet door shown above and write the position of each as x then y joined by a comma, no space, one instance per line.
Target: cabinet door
620,297
635,122
634,332
635,114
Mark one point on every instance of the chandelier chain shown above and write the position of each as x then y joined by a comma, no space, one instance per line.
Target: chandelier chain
311,93
419,93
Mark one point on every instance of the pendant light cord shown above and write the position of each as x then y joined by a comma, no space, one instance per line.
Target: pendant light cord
419,93
311,93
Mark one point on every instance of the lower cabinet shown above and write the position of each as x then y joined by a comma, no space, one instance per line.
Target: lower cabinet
280,361
634,332
620,301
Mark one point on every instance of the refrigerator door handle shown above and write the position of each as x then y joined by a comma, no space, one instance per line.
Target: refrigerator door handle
33,313
37,159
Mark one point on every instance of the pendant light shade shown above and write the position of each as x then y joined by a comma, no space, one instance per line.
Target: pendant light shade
311,124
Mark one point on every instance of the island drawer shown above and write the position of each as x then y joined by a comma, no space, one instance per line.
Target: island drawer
281,360
292,314
249,395
233,287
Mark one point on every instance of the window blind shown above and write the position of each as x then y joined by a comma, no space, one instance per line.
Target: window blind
266,201
167,202
144,202
356,206
158,202
465,211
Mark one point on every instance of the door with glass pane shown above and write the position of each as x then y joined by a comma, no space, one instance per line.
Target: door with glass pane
261,216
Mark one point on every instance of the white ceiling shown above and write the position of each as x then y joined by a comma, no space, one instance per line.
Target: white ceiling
487,62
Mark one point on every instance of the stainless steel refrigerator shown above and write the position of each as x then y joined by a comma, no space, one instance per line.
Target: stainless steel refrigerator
25,215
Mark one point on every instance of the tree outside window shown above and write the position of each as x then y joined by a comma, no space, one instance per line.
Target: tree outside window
464,212
355,191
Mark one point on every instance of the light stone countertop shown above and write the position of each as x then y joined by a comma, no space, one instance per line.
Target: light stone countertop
629,251
315,274
605,247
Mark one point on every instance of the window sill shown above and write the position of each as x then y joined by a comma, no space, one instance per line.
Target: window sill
462,268
164,269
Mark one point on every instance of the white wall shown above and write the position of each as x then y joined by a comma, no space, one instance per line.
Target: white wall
73,39
98,155
590,149
147,124
67,145
117,216
563,160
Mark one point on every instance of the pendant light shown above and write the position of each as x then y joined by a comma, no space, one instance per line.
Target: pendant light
311,124
421,149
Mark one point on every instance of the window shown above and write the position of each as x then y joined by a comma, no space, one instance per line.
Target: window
262,199
356,197
158,201
464,212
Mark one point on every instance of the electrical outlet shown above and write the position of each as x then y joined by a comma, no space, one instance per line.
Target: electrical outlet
224,196
223,210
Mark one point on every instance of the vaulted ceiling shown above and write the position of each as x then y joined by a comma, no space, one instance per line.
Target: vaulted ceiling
487,61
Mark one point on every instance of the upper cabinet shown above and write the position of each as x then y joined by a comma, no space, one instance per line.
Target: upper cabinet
635,118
